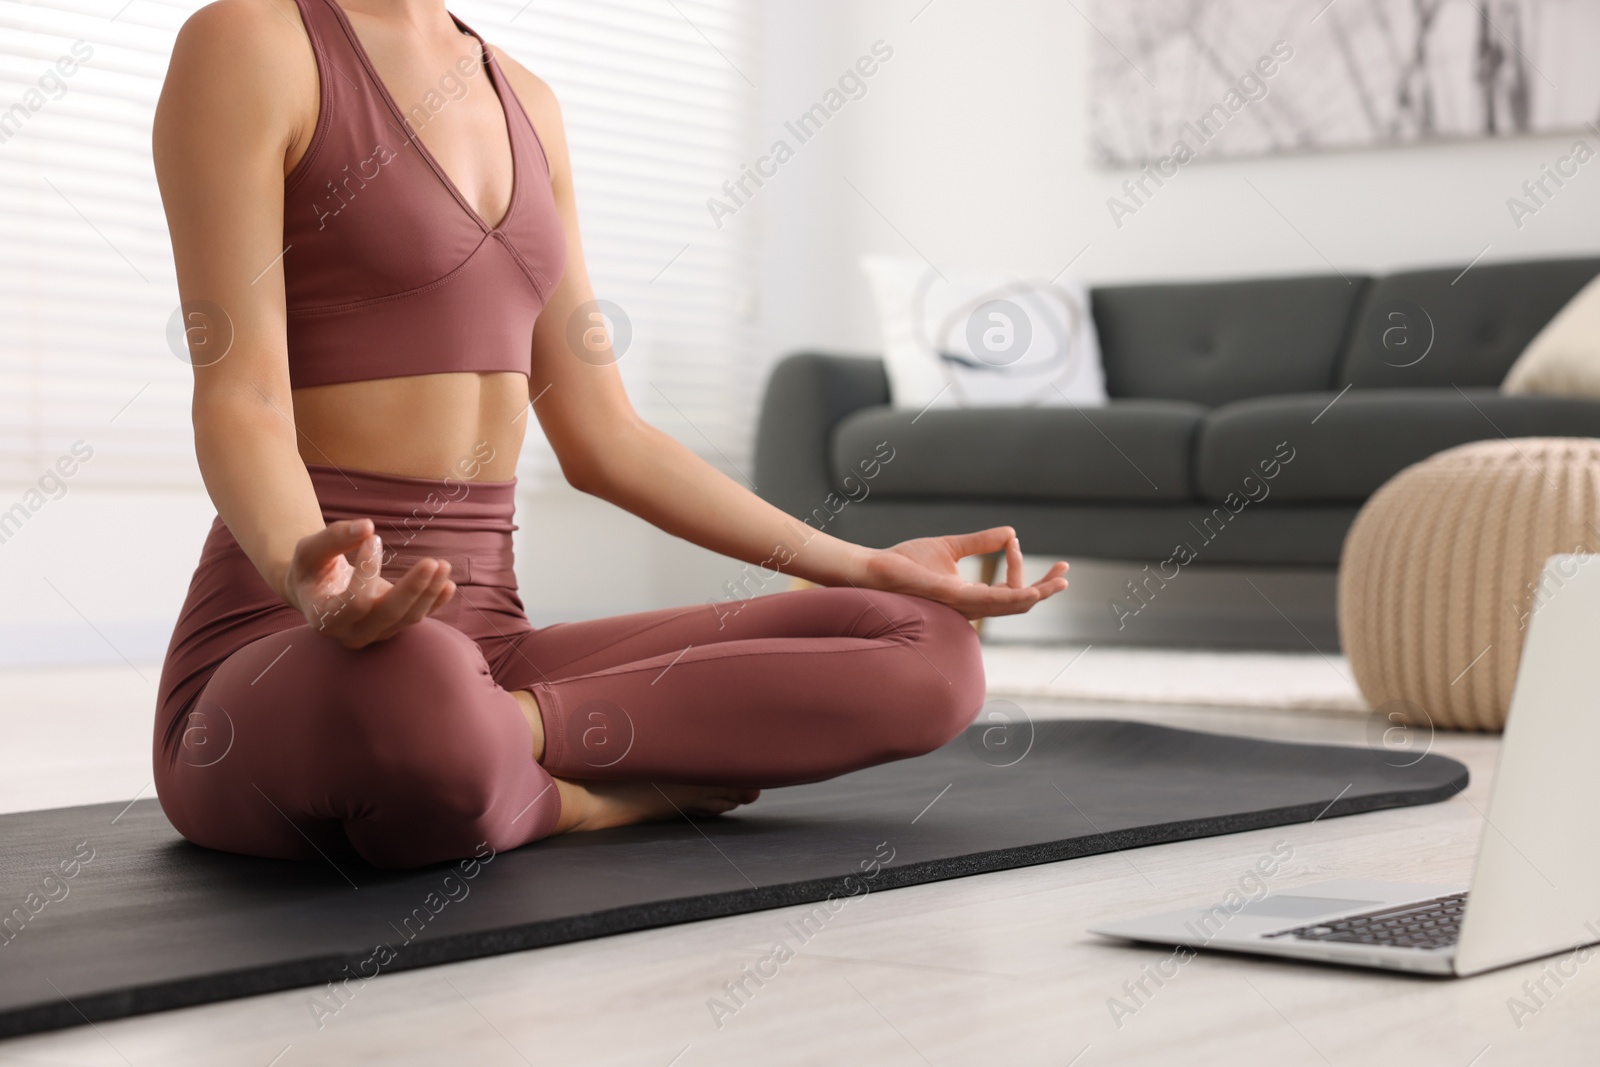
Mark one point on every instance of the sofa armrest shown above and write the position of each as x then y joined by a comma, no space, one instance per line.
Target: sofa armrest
806,396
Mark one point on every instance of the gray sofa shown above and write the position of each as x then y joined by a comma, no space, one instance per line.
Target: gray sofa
1249,420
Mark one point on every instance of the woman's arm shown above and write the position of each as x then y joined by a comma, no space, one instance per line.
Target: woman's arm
607,450
232,109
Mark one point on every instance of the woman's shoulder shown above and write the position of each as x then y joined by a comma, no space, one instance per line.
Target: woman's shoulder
241,68
259,30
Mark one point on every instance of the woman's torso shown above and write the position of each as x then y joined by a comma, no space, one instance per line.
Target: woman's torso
478,161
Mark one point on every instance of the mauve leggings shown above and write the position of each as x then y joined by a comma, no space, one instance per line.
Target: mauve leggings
274,740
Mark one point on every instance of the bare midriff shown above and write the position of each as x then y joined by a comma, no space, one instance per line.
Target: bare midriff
460,425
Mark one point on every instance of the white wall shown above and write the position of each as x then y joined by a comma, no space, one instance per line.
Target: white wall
98,574
973,143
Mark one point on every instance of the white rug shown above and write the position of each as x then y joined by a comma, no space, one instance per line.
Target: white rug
1288,680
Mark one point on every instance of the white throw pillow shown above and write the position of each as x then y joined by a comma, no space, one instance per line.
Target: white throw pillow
961,339
1564,358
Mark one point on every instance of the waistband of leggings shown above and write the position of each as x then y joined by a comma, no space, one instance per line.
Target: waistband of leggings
467,523
403,501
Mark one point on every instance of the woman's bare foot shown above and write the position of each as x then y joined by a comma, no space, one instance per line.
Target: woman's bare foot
596,805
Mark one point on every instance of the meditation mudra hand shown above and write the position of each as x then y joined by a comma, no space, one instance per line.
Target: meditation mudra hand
350,601
927,567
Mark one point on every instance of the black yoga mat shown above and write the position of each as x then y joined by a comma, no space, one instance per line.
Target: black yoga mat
107,912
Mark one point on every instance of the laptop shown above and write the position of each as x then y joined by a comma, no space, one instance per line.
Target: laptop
1535,888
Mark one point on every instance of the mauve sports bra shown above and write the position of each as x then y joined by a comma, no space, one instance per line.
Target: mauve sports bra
388,270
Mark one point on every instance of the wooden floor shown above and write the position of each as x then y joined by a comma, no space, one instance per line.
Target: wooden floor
995,969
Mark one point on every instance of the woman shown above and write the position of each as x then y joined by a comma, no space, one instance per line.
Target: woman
353,660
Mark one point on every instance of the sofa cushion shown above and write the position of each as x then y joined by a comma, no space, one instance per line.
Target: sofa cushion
1213,342
1478,323
1344,452
1130,450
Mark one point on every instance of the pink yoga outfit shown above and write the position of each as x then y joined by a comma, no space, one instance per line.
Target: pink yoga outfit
273,739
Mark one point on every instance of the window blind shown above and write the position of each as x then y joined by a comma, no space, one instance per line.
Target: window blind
659,113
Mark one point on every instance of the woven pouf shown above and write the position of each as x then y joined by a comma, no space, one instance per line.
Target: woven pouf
1439,571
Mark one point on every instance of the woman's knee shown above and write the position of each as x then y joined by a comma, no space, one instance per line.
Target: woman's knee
421,715
409,679
948,690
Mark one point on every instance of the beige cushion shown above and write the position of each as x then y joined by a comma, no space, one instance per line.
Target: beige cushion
1564,358
1438,573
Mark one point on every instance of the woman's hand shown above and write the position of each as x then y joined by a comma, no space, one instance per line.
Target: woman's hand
353,603
927,568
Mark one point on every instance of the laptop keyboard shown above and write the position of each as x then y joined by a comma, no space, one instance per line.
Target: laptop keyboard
1430,924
